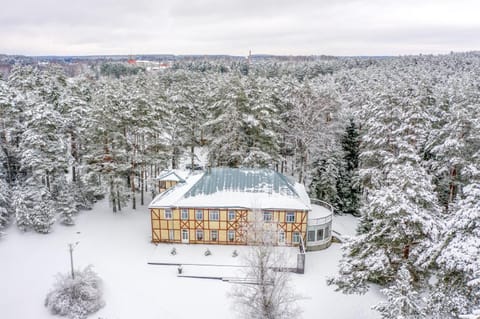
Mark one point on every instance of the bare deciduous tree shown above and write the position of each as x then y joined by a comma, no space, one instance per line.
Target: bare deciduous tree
266,292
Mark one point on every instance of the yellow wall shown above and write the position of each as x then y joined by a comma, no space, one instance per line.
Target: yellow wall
162,226
164,185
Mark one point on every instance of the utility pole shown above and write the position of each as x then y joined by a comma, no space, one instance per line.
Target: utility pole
70,248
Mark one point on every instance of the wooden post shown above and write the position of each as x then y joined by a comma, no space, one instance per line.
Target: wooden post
70,248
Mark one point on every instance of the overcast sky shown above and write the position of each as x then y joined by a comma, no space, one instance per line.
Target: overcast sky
287,27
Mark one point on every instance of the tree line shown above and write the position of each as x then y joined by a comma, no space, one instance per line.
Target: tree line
392,140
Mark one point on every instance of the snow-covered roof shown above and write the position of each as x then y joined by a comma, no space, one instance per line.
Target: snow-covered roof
242,180
236,188
319,212
173,175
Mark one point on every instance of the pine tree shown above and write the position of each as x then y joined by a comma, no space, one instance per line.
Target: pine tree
66,205
33,207
453,140
403,301
325,177
5,196
400,215
230,147
246,118
106,144
348,189
457,290
312,125
44,216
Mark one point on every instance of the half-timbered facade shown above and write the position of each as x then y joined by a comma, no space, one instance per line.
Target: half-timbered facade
220,206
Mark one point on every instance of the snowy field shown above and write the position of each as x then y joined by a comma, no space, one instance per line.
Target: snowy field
119,248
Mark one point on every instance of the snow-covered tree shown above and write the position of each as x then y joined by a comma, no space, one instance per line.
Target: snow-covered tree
242,126
474,315
106,141
5,199
267,292
453,140
311,125
400,216
457,289
33,207
348,190
66,205
76,298
403,300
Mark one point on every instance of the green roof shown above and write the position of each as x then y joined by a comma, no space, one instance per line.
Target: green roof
242,180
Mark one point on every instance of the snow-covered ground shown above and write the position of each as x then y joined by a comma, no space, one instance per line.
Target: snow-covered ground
118,245
345,225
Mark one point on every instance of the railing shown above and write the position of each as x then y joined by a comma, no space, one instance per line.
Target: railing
321,220
301,246
301,257
321,223
321,203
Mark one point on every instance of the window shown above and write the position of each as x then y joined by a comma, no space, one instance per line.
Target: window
184,213
231,235
171,234
319,234
214,215
296,237
267,216
168,214
198,214
327,231
290,217
281,237
185,235
311,235
231,215
199,234
214,235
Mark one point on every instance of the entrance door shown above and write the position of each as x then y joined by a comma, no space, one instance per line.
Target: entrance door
185,236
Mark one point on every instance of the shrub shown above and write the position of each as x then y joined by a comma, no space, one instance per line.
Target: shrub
76,298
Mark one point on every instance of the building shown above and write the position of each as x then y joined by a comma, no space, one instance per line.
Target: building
221,205
168,179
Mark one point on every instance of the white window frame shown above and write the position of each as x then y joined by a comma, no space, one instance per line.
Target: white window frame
327,231
171,234
185,235
197,212
267,216
231,215
214,213
281,237
184,214
290,220
321,231
199,232
296,237
309,232
231,235
168,214
212,237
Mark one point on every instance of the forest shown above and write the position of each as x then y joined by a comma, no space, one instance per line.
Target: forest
393,140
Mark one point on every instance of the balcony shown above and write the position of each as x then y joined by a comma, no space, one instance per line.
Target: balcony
319,225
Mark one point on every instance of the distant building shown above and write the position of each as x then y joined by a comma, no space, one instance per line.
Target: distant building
132,60
219,206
